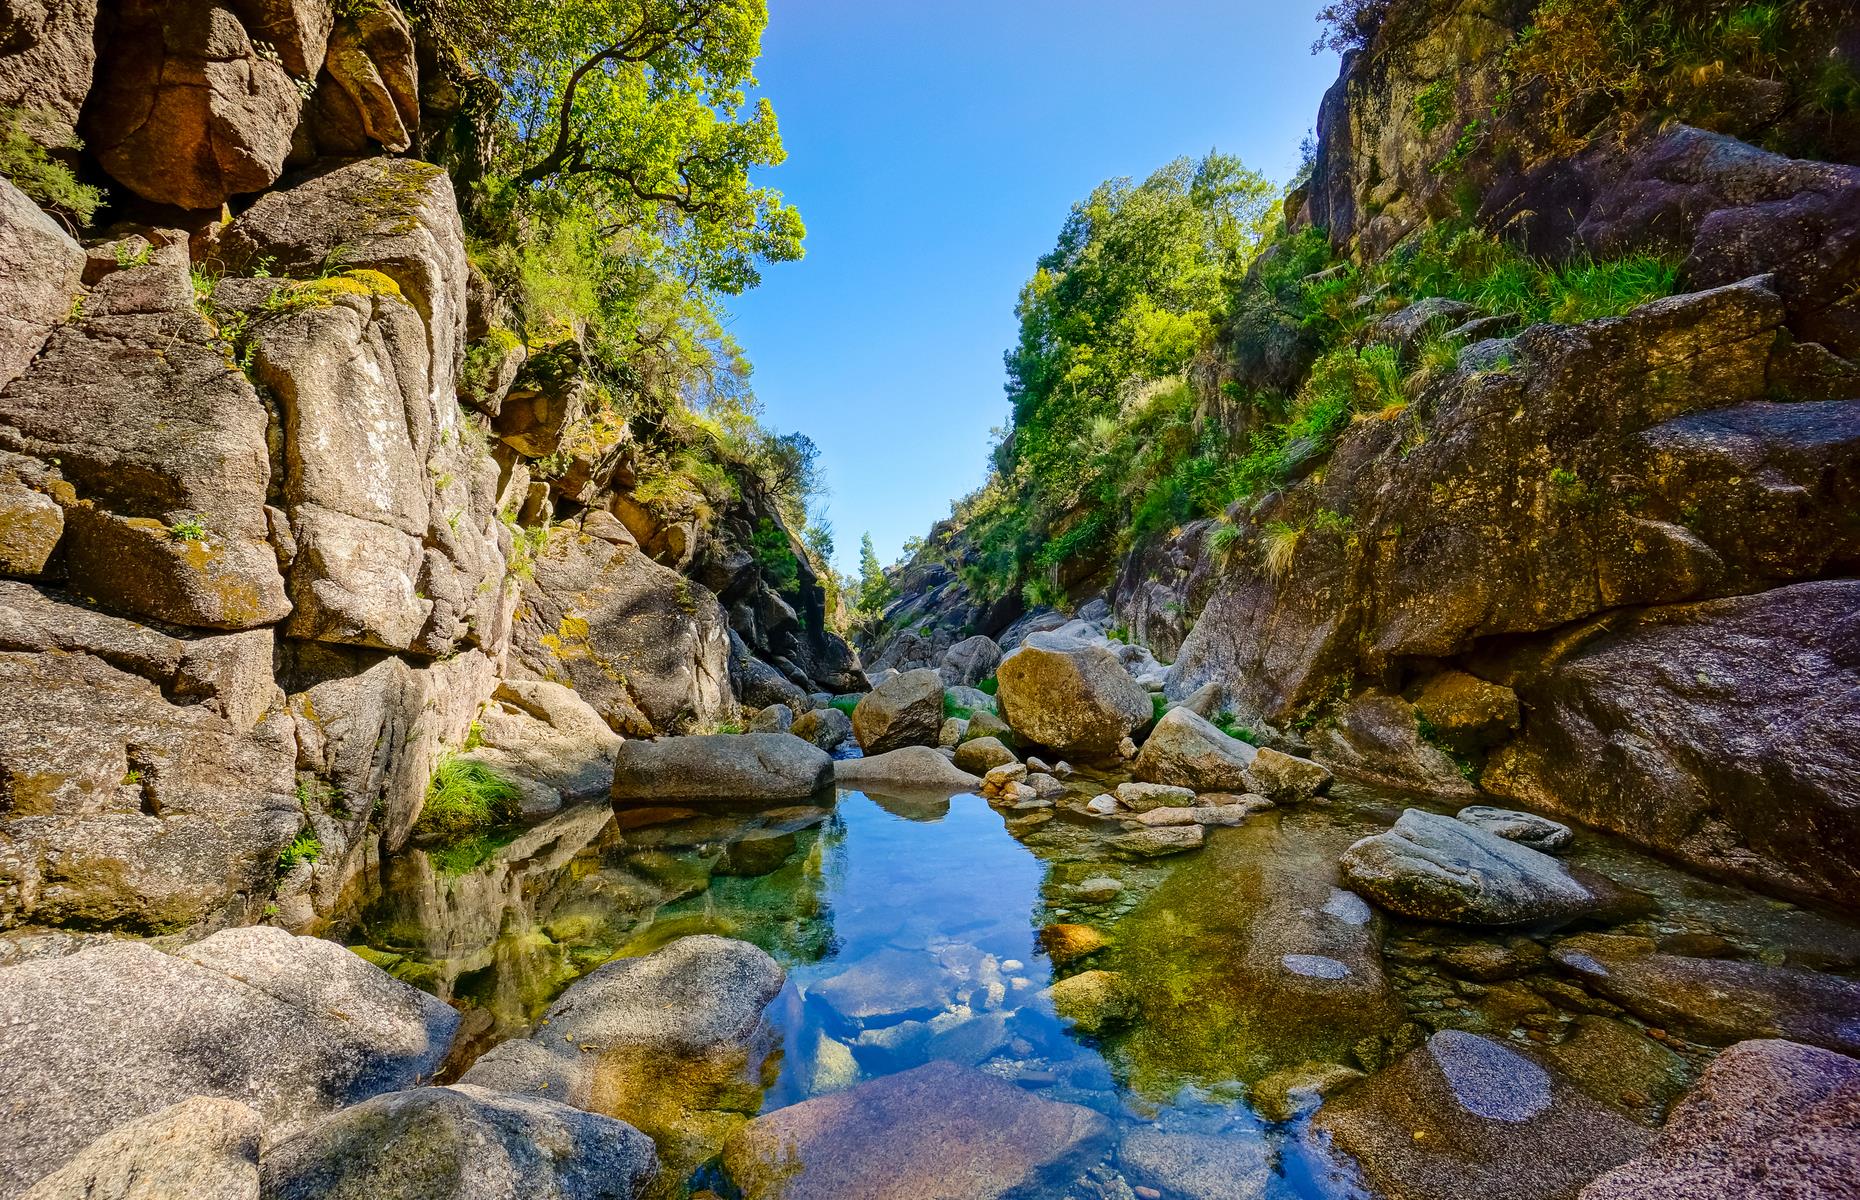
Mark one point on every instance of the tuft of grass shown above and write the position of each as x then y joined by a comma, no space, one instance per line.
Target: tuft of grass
1279,548
465,798
1158,705
951,709
1230,725
1225,539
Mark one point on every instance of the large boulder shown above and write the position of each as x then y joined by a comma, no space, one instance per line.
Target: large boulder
673,1043
904,711
462,1143
907,769
1465,1116
1767,1118
165,451
1716,1000
205,1148
829,728
971,1135
645,646
294,1027
970,661
40,273
1434,868
745,768
47,58
1187,750
1071,696
1716,733
186,110
150,783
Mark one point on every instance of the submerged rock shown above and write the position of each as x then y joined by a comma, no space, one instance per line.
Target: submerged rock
1526,829
673,1044
1067,942
1203,1165
905,711
1716,1000
940,1130
1070,696
1186,750
202,1149
1768,1118
1434,868
295,1027
766,767
1465,1116
909,769
1094,1001
461,1143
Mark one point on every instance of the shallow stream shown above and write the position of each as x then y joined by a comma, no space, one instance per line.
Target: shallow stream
911,932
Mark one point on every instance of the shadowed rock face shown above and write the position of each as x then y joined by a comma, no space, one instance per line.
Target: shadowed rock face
1718,732
970,1135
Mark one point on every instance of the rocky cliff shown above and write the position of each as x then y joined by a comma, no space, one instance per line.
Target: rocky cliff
1605,567
287,516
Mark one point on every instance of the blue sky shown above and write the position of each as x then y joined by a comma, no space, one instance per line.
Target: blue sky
933,150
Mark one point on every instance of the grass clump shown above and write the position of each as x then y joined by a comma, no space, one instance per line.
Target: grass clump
953,710
466,798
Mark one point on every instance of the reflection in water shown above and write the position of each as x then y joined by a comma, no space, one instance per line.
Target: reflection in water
909,929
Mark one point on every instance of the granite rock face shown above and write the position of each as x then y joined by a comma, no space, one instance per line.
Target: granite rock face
462,1143
204,1148
293,1027
1768,1118
1070,696
1434,868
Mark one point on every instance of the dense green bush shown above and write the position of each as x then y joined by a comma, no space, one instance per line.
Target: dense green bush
24,134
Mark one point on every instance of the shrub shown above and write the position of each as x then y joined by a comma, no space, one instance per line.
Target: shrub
466,798
24,134
776,557
193,529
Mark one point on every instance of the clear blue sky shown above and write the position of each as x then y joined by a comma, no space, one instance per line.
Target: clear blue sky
933,150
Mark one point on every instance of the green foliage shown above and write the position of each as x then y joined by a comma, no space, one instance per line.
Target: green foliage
469,853
190,530
845,704
1279,548
775,555
952,709
465,798
989,686
305,847
24,136
1159,704
638,109
1433,104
